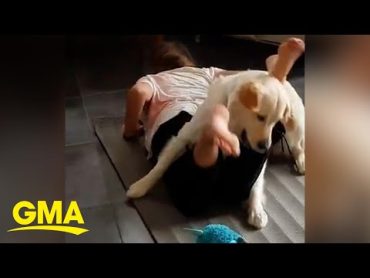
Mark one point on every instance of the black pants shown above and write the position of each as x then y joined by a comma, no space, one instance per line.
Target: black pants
194,189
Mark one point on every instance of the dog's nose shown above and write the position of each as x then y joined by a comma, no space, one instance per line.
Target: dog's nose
262,145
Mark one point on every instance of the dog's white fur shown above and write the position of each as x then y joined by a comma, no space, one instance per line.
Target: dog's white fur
295,127
278,101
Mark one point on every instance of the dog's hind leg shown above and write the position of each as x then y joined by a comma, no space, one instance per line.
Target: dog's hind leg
299,156
295,129
173,149
296,142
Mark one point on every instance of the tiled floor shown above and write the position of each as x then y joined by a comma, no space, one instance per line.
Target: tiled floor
77,127
93,183
109,104
90,177
98,81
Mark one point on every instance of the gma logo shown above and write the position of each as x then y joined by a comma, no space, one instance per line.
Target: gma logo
44,219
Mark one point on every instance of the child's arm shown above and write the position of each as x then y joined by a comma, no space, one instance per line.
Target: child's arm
138,95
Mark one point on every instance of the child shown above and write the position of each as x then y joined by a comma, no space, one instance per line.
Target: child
169,99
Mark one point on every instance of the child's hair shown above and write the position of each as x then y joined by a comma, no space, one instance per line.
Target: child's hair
171,55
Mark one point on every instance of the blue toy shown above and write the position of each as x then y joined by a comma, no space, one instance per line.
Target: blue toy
217,233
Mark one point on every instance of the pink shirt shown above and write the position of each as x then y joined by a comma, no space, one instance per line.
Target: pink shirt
181,89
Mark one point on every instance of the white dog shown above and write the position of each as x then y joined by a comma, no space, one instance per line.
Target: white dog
256,101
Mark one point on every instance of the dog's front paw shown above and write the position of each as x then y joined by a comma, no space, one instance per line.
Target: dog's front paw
257,217
301,164
137,190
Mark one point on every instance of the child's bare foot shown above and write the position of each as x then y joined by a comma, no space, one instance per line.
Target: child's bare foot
215,136
271,62
288,53
226,141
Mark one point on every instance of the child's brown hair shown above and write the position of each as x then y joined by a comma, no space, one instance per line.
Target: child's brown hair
171,55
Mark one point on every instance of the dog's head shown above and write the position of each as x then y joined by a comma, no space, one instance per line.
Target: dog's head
255,107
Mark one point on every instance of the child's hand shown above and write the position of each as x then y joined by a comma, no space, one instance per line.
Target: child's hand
130,132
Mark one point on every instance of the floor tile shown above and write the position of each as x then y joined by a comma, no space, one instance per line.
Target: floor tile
105,105
100,222
90,178
77,128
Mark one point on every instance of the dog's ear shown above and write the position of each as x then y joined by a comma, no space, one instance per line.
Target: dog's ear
288,118
250,96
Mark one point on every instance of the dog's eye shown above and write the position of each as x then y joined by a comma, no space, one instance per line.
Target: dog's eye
261,118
